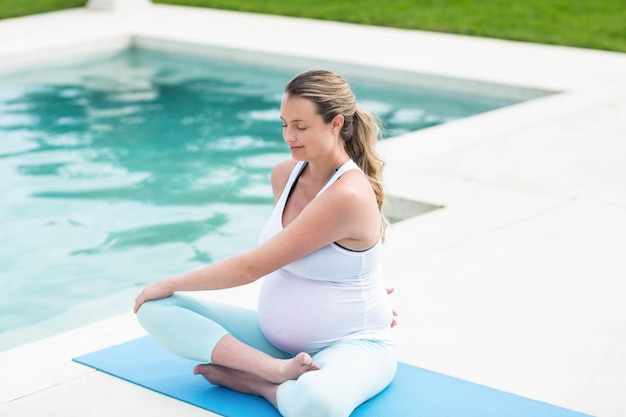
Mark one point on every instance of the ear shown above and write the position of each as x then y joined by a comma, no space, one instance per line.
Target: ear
337,122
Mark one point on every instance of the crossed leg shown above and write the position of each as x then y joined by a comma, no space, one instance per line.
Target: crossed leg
239,381
242,368
232,353
228,338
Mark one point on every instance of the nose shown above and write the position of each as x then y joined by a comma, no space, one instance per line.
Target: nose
288,135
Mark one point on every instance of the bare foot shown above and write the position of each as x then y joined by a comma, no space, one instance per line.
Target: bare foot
289,369
233,354
239,381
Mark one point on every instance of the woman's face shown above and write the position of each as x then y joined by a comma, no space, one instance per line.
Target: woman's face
304,130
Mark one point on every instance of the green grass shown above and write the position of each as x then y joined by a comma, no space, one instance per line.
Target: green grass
595,24
16,8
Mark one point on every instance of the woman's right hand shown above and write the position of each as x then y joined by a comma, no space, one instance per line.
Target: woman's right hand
153,291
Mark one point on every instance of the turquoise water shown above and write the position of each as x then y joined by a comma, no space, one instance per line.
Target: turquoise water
127,168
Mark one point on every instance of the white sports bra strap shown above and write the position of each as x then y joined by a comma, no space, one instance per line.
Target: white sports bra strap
350,164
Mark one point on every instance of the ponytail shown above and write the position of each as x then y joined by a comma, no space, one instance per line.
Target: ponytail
361,147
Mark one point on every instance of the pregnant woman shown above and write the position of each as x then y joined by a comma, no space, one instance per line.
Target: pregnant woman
319,344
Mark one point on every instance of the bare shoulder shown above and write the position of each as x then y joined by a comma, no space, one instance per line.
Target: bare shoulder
354,194
280,175
359,212
354,184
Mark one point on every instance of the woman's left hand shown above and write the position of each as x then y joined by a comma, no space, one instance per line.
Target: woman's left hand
394,322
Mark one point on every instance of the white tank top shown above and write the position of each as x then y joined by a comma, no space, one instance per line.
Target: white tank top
330,295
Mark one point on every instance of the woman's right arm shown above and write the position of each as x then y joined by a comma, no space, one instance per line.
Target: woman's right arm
228,273
333,216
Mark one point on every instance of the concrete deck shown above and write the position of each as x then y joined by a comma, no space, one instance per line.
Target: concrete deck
519,281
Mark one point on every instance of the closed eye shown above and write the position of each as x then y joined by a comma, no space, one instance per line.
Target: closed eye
297,127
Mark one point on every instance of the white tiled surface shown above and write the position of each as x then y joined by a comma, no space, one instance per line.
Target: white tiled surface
517,283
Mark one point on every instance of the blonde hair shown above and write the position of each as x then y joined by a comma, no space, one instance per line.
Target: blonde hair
332,95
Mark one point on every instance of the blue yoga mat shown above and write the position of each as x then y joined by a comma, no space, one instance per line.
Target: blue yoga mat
413,392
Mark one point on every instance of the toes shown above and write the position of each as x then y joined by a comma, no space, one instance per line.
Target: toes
306,359
201,369
302,363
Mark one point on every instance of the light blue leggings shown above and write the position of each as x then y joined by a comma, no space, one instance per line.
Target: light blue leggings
352,371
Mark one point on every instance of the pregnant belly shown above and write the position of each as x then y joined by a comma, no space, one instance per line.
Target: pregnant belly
301,315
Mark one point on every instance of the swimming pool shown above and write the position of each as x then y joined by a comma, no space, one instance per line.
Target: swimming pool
125,168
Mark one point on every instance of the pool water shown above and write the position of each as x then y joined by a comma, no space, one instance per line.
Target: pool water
123,169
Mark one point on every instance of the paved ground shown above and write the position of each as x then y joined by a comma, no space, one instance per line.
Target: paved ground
517,283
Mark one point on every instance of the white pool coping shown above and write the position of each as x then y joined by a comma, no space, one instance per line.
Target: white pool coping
518,283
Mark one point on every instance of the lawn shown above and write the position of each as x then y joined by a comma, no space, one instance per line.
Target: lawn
15,8
596,24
